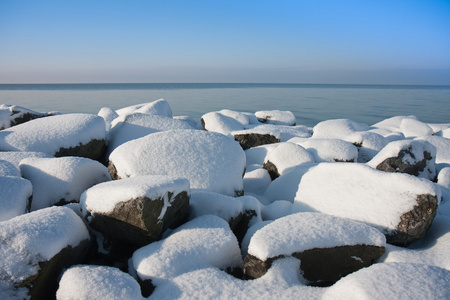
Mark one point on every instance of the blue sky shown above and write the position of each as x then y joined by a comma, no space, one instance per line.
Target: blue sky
364,41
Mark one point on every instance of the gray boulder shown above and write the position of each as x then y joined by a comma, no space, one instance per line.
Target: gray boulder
11,115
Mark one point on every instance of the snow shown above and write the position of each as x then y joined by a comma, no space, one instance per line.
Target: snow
31,238
14,197
203,242
224,121
49,134
208,160
330,150
303,231
15,157
337,128
108,114
276,117
281,132
97,282
413,128
369,144
285,156
361,193
103,197
393,281
8,169
68,176
444,177
8,114
133,126
158,107
257,180
282,281
442,148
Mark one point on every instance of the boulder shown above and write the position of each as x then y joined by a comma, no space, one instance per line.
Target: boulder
11,115
69,177
97,282
276,117
338,128
284,157
209,160
137,210
8,169
158,107
15,157
329,150
15,196
400,205
368,144
250,140
36,247
224,121
411,127
62,135
328,247
407,156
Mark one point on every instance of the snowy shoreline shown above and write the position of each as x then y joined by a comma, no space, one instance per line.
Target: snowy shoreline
135,203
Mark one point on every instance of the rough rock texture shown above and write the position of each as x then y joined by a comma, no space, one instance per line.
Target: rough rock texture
251,140
93,150
11,115
321,266
272,169
137,221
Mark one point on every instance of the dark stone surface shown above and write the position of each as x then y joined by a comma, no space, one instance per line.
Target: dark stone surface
396,164
25,117
94,150
415,223
250,140
44,284
136,221
321,266
272,169
240,224
113,171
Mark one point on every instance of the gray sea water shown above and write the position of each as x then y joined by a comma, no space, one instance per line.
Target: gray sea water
311,103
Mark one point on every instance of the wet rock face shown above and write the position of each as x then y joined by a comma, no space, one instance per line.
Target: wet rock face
95,149
138,221
321,266
251,140
398,164
415,223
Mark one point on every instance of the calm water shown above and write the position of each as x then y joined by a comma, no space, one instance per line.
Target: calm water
311,103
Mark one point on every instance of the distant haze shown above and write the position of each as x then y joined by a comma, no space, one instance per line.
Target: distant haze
309,41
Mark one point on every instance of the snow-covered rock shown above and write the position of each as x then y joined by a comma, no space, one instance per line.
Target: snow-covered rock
411,127
108,114
61,135
256,180
276,117
201,243
208,160
158,107
11,115
8,169
407,156
224,121
337,128
329,150
136,125
36,247
68,176
393,281
328,247
15,157
97,282
442,145
400,205
284,157
137,210
368,143
15,196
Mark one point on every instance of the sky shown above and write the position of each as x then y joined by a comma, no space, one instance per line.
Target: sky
278,41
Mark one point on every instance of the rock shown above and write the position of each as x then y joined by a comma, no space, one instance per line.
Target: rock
108,114
411,127
224,121
11,115
276,117
137,210
284,157
97,282
407,156
202,242
368,144
328,247
158,107
337,128
400,205
36,247
8,169
393,281
62,135
256,180
69,177
15,157
329,150
442,149
251,140
209,160
15,196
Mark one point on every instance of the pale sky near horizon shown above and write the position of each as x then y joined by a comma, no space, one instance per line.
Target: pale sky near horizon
309,41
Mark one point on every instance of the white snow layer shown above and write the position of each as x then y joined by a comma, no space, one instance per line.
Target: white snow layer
14,196
158,107
203,242
31,238
303,231
8,114
359,192
49,134
276,117
68,176
285,156
393,281
338,128
15,157
224,121
8,169
208,160
103,197
330,150
281,132
97,282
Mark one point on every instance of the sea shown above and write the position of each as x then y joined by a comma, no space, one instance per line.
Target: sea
310,103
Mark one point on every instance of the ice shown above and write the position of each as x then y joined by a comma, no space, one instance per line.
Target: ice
68,176
303,231
103,197
97,282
